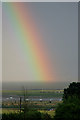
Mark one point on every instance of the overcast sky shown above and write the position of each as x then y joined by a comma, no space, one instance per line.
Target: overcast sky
58,24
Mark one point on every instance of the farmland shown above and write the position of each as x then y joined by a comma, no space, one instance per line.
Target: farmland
44,101
42,93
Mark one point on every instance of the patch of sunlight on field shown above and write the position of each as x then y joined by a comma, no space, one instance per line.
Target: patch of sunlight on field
0,113
51,113
0,110
7,111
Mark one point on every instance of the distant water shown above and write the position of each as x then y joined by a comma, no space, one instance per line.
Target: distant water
34,85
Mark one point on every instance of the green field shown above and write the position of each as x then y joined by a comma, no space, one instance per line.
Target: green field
7,111
32,93
51,113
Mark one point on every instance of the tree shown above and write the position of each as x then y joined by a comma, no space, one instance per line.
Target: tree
72,90
70,108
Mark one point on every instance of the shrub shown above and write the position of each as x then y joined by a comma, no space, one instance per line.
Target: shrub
70,108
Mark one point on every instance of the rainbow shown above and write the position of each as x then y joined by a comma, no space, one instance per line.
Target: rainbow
30,39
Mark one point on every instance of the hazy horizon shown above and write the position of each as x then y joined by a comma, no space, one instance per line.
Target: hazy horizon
34,85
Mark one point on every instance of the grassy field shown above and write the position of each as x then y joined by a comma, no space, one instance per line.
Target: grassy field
7,111
0,110
51,113
32,93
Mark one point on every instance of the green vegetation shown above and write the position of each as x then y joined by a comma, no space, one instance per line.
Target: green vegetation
71,91
29,115
21,116
9,110
45,108
32,93
51,113
70,108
